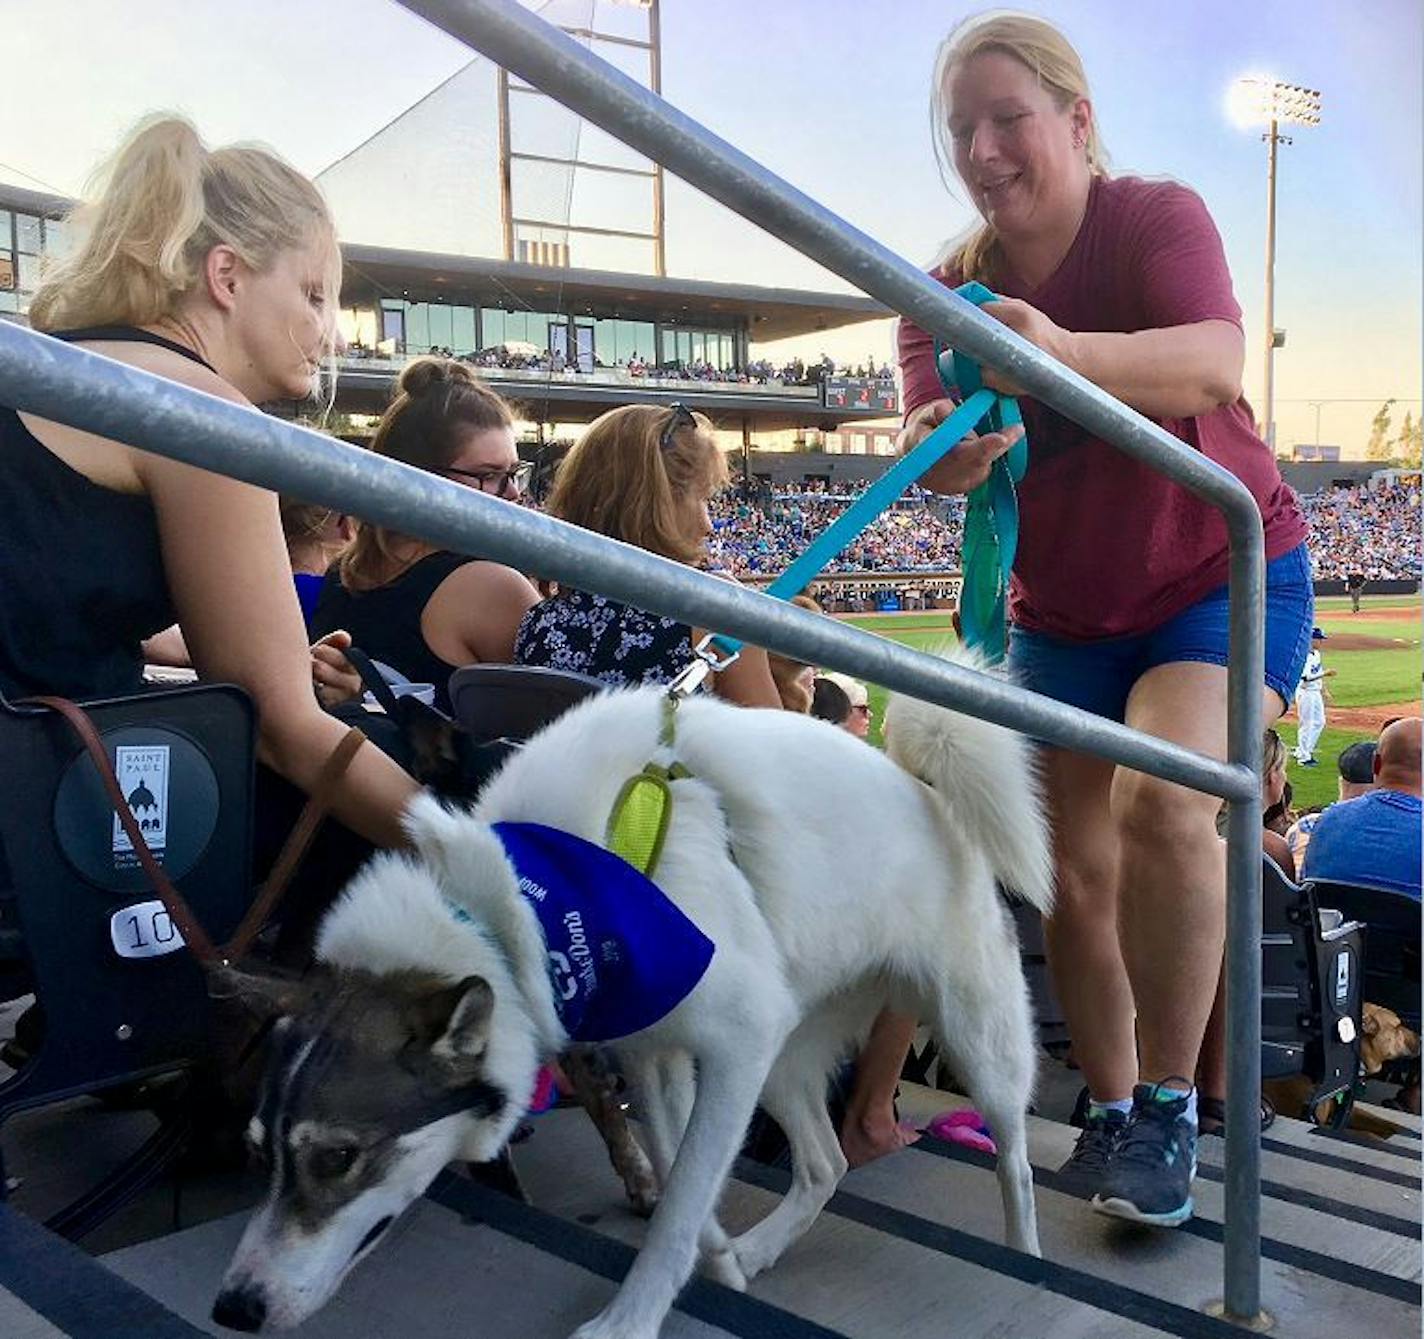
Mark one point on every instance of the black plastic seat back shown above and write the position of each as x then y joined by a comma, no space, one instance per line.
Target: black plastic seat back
1311,980
122,998
1393,923
514,702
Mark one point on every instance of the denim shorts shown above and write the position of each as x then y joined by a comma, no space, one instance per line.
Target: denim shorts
1098,676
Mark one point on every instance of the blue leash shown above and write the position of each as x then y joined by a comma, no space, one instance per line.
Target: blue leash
991,524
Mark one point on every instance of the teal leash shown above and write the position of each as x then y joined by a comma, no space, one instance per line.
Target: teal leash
991,515
991,540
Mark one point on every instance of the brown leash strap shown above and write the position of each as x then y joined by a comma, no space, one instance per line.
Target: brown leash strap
295,848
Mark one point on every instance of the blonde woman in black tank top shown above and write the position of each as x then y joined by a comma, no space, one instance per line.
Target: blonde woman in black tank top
219,270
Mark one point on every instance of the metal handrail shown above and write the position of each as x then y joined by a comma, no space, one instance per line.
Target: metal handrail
541,55
54,380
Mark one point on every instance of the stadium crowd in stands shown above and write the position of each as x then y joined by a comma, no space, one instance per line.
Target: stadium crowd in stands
760,371
760,535
1374,531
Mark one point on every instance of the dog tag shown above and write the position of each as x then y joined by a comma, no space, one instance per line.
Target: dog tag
144,930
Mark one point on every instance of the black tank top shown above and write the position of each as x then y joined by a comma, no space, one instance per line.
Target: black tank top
81,570
385,622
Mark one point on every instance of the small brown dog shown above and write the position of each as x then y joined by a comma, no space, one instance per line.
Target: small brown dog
1383,1038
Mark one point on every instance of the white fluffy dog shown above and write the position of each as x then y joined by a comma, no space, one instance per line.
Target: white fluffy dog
831,882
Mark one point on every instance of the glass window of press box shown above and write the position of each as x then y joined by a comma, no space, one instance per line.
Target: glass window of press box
687,346
24,239
617,343
402,327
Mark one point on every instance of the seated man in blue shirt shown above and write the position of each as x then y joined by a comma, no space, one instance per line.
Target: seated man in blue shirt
1375,840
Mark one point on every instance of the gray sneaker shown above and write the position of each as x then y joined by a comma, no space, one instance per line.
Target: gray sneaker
1087,1165
1150,1180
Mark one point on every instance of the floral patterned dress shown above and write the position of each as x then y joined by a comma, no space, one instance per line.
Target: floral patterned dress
591,634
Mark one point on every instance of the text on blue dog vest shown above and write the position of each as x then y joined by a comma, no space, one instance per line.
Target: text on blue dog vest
622,955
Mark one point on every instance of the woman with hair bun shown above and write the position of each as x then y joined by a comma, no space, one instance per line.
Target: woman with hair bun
218,269
1118,598
643,474
419,609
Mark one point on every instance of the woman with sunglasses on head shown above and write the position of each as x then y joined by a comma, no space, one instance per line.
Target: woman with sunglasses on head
422,610
1118,598
643,474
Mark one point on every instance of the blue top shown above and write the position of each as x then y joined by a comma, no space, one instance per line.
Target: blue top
308,593
622,955
1372,840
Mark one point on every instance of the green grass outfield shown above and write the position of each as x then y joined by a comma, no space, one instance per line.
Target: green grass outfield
1368,678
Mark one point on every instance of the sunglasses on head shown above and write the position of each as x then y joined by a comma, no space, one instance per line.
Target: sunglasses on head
682,417
500,479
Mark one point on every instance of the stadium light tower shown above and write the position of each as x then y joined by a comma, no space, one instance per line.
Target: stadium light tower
1258,99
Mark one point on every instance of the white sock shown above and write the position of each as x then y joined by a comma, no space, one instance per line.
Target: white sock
1124,1105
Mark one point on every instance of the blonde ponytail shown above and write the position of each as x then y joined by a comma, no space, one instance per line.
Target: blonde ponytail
156,209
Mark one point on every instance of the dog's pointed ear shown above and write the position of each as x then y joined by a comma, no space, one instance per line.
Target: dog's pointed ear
455,1021
265,992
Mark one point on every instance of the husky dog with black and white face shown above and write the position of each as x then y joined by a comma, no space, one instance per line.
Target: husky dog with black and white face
377,1078
436,1003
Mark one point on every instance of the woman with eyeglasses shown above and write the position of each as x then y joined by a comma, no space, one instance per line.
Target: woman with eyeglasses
422,610
643,474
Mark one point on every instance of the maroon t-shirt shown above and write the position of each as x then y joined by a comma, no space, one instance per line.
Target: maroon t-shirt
1108,547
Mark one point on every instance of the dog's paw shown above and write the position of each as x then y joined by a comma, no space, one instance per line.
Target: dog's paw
752,1257
723,1267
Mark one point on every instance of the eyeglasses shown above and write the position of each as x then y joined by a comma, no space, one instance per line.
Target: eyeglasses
682,417
496,481
863,707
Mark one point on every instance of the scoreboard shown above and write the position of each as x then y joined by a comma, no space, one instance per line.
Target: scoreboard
873,396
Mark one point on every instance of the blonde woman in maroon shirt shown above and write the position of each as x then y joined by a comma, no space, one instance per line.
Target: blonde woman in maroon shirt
1118,601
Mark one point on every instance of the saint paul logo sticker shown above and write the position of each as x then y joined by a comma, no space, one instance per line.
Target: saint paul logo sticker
142,772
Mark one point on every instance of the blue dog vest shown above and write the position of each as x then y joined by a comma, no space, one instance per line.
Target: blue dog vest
621,954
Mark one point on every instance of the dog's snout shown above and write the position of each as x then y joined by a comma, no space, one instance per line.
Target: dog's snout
242,1309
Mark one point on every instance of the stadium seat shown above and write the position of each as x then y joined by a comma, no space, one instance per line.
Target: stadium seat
1311,979
1392,933
513,702
122,1001
497,707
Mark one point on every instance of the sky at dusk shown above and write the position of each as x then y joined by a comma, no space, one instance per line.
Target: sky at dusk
834,97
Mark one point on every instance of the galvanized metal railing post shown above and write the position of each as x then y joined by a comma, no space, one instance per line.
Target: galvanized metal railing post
517,40
1245,701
